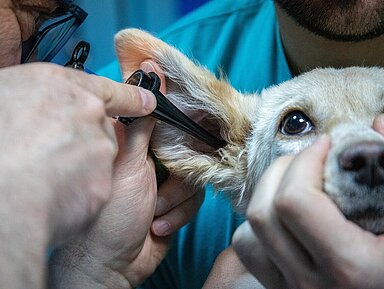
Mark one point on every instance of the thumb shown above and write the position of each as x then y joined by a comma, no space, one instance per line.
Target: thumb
133,140
315,155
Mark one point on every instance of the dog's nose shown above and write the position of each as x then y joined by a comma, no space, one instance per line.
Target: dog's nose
365,161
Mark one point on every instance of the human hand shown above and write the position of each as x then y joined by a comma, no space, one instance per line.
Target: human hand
120,250
55,128
58,148
296,237
177,203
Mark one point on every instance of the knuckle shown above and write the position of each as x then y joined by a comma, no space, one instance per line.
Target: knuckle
286,199
347,275
99,197
95,104
240,239
283,203
185,212
91,107
110,148
61,74
106,149
98,107
100,153
46,67
258,217
106,89
237,242
112,137
49,73
135,99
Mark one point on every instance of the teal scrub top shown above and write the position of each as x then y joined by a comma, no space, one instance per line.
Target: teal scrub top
240,38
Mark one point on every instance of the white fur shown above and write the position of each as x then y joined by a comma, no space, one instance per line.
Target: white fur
339,102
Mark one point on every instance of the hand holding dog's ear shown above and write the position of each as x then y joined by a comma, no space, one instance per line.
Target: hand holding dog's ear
120,244
303,240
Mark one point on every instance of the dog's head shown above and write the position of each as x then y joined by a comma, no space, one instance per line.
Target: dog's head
282,120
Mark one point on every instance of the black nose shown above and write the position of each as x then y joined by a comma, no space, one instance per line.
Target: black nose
365,161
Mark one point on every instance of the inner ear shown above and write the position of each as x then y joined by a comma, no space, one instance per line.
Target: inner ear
199,114
211,124
191,87
210,102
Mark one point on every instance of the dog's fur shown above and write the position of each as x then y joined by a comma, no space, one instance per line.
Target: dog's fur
339,102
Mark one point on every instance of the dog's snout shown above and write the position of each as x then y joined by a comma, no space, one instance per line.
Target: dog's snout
365,161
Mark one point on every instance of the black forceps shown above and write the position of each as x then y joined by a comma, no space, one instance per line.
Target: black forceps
79,55
166,111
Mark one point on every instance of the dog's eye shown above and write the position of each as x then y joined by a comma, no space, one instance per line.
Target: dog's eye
295,123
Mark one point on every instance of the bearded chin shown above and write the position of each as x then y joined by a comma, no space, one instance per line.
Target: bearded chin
339,20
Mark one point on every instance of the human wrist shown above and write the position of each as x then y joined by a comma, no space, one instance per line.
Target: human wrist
72,266
24,238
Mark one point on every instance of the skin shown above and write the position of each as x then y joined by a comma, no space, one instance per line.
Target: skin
306,50
297,236
121,246
74,181
94,246
338,20
306,241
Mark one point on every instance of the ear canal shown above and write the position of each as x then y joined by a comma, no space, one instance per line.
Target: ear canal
207,100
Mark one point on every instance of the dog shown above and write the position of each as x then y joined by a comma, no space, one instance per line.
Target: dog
281,120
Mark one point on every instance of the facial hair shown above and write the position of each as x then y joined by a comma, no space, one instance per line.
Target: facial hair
340,20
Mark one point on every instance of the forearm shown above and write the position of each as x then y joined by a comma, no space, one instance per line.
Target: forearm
71,268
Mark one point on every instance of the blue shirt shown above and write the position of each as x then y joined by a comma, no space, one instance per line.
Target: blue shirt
240,38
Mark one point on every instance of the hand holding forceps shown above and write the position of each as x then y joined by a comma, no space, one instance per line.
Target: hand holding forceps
165,110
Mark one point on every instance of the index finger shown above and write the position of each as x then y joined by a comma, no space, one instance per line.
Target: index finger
119,98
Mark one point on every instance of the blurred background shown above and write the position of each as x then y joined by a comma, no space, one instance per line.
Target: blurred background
106,17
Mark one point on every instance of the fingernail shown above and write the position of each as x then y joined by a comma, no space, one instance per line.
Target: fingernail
321,146
378,123
161,206
161,228
147,66
322,140
148,99
381,120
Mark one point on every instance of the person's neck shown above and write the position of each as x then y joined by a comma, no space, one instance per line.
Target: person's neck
305,50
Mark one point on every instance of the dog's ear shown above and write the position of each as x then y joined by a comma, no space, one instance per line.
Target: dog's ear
209,101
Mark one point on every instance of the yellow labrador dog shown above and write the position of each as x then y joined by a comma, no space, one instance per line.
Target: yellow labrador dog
282,120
